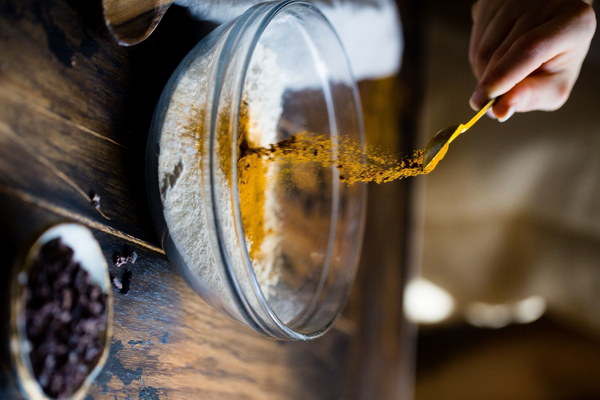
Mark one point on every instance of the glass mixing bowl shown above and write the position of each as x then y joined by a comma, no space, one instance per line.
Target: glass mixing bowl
274,246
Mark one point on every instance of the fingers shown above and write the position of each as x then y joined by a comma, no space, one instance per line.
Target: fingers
550,46
497,46
547,45
526,55
493,33
482,12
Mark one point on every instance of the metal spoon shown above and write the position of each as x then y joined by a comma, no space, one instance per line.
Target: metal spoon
438,145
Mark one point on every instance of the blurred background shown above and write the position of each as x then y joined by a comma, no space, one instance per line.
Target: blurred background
507,244
502,241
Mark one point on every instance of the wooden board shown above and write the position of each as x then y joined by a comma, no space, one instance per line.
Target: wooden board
74,115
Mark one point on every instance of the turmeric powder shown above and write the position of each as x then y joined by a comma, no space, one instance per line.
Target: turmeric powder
354,163
257,169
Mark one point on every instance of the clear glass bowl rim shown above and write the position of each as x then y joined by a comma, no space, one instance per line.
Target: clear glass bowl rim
265,13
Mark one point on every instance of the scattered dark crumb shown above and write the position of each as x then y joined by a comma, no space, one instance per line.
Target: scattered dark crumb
123,283
95,200
116,282
119,260
126,281
132,258
128,256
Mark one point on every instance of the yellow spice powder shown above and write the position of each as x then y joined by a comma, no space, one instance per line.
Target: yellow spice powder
353,161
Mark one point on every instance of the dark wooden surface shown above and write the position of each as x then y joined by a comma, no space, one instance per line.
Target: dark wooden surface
74,115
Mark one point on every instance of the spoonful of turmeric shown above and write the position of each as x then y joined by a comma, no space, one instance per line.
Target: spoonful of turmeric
438,145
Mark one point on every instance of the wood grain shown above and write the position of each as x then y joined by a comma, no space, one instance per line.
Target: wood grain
74,114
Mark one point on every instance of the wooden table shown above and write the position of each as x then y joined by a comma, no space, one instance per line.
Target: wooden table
74,115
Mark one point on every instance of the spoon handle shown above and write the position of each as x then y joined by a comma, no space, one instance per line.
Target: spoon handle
478,115
462,128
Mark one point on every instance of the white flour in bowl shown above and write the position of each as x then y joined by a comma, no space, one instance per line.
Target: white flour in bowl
180,163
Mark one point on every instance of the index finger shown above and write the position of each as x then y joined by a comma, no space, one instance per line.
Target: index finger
482,12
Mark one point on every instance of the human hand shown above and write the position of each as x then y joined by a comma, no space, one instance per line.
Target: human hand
528,51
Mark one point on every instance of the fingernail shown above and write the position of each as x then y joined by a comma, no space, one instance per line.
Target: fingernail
508,114
478,97
494,94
